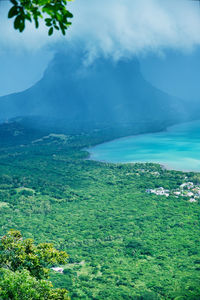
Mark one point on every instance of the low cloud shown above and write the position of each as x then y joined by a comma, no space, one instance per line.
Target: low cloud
116,27
113,27
133,27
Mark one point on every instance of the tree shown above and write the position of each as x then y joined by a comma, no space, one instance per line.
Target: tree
24,268
20,285
54,12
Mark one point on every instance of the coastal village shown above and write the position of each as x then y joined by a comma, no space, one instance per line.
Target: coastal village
187,189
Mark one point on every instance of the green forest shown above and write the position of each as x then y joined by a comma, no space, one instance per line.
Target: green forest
122,242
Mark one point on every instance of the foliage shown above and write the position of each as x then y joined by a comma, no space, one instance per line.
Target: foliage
24,268
54,12
17,254
20,285
123,243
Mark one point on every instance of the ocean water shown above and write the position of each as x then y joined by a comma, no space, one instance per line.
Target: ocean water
176,148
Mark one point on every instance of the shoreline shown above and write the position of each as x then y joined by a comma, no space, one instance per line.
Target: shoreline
164,129
161,164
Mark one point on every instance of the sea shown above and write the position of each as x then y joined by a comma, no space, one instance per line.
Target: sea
176,148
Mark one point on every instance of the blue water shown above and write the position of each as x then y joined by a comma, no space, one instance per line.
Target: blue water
176,148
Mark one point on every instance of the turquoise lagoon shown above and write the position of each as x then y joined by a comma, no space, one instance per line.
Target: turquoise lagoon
176,148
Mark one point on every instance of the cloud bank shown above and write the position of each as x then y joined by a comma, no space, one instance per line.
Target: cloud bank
114,28
117,27
124,27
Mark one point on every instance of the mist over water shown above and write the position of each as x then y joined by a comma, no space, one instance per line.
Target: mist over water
176,148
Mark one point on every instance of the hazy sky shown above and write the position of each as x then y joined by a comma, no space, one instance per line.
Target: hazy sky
163,34
176,73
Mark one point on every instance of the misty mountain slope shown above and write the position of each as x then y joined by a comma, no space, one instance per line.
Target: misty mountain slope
104,92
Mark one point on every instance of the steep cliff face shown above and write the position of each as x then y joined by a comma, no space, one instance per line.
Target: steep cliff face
103,92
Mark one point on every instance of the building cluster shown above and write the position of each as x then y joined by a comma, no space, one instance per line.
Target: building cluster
159,191
187,189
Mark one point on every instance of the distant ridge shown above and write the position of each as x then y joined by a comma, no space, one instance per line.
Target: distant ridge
106,92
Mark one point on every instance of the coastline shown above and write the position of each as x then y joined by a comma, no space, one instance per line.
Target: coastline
165,166
162,165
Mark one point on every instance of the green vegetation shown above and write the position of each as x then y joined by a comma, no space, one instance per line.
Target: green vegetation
54,11
123,243
24,269
20,285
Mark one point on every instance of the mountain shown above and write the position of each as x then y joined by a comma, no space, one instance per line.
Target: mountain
104,92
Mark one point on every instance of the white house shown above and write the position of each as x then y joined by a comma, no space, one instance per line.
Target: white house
58,269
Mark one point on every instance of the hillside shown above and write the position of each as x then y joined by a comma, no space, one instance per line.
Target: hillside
123,242
105,92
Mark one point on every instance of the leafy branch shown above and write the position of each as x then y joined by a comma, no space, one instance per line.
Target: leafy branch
54,12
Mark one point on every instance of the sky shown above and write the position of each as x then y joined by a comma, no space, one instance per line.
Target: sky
163,35
176,73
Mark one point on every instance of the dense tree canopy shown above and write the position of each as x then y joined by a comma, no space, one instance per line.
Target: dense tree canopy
24,268
54,12
124,243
